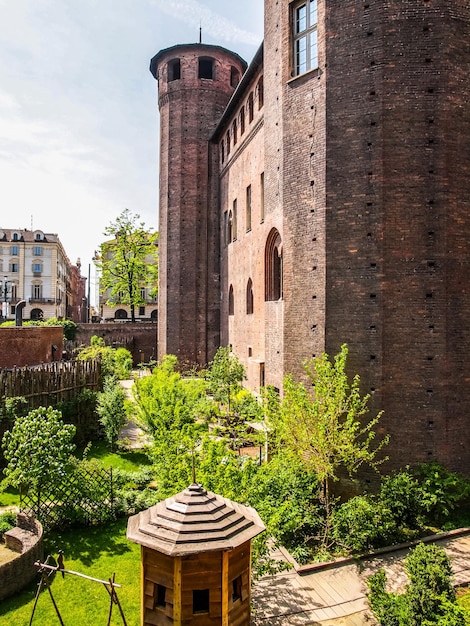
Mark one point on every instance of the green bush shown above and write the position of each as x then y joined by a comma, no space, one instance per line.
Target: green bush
7,521
112,410
402,495
442,491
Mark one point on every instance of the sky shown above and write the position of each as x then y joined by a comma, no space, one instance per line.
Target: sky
78,106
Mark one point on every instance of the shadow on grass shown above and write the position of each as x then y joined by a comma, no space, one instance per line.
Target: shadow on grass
87,544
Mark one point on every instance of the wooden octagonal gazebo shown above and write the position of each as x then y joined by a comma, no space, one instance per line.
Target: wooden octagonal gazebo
195,559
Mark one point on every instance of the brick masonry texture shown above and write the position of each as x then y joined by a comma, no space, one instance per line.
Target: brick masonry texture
366,163
27,345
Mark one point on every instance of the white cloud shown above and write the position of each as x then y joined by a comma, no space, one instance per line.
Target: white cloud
194,14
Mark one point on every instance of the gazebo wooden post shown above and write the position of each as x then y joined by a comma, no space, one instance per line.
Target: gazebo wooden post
177,608
225,588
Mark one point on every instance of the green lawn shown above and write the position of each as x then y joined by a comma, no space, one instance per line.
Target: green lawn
10,497
97,552
129,461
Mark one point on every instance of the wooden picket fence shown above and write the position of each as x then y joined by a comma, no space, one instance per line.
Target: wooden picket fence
50,383
84,496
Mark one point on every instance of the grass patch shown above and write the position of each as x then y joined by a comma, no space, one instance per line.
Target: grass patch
130,460
97,552
9,497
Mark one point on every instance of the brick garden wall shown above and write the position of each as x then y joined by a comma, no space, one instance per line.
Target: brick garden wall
30,345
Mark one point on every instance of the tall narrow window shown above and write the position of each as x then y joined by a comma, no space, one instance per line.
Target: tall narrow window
273,266
242,120
248,208
174,70
36,291
305,18
227,142
234,76
206,68
231,303
14,250
225,233
251,109
230,228
234,131
234,223
160,596
222,151
260,89
261,200
249,297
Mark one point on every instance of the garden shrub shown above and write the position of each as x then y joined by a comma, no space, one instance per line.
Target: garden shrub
7,522
442,491
111,407
402,495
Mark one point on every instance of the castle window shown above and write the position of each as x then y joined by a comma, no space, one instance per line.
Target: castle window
201,601
261,209
273,267
174,70
305,39
234,132
230,228
260,93
251,109
249,297
234,76
225,231
248,208
228,142
222,151
234,223
206,68
242,121
231,303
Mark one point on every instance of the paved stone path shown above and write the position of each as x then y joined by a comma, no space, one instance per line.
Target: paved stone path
336,595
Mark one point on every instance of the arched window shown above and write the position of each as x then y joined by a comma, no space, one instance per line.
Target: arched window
260,93
231,304
120,314
230,228
273,266
242,120
36,314
234,131
249,297
250,107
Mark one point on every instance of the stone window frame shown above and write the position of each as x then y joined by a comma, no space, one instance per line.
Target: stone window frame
304,21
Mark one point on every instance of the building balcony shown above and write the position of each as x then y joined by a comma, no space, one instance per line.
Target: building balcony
44,301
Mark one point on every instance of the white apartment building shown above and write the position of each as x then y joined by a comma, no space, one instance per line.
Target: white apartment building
35,268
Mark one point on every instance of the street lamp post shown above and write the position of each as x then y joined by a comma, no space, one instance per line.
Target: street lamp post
5,297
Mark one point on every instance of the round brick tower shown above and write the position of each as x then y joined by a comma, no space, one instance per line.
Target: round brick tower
195,83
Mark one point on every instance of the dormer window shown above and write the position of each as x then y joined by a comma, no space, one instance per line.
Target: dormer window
15,237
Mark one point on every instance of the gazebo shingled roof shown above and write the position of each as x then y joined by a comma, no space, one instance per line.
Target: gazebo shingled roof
194,521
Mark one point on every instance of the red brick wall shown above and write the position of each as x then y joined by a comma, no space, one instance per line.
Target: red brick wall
190,108
30,345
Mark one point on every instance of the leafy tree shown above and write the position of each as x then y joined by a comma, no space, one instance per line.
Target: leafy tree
429,598
128,261
324,425
114,361
112,410
38,448
225,374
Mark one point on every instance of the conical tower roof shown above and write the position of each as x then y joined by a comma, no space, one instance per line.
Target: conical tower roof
194,521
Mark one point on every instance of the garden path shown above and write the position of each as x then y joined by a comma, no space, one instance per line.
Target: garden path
335,594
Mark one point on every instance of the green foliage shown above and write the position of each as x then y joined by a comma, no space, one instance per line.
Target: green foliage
284,492
225,374
70,328
114,361
7,521
441,491
402,495
164,401
324,425
12,407
362,524
38,448
129,261
429,598
112,410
